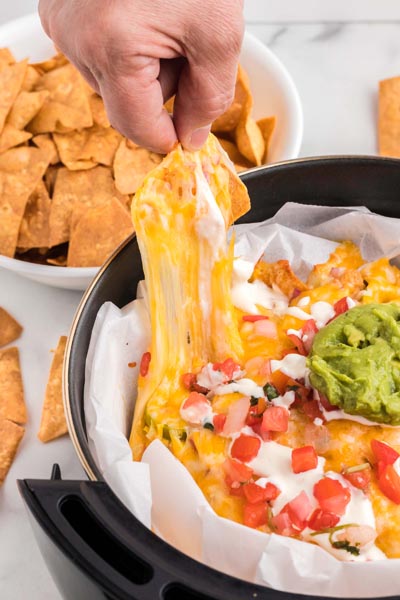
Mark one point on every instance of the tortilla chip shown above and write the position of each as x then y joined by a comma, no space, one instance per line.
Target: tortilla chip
87,148
232,151
59,60
10,329
97,233
6,58
249,139
50,179
12,404
76,191
169,105
67,107
280,274
46,142
10,437
53,423
25,107
34,231
30,80
11,79
21,170
131,165
60,261
98,111
11,137
229,120
266,126
389,117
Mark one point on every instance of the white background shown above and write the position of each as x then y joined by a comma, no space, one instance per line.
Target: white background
336,51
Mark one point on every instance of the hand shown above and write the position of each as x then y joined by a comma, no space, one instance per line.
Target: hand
138,53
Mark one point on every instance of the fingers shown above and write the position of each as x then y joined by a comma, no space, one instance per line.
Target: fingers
134,104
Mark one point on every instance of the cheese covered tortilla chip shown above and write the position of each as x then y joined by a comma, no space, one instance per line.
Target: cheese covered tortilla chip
10,437
97,233
11,137
11,78
10,329
67,107
34,231
266,126
279,273
76,191
87,148
25,107
12,404
53,423
389,117
21,169
131,165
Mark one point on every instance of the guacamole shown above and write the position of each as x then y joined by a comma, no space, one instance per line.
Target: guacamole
355,362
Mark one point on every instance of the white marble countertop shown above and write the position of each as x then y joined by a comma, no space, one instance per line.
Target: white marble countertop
336,52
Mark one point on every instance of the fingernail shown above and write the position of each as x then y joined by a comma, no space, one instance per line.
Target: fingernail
199,137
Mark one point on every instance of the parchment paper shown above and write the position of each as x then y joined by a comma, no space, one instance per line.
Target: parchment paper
159,490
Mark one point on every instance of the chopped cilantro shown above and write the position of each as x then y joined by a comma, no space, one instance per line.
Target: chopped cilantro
209,426
345,545
253,401
270,391
293,388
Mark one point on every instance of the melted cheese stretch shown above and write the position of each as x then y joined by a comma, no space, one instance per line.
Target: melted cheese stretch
181,215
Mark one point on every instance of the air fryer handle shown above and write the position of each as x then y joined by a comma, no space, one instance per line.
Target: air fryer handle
81,521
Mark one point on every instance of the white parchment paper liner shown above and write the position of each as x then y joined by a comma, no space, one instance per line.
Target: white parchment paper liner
159,490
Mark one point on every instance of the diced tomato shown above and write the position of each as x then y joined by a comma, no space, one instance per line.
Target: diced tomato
282,524
255,515
312,410
309,330
219,422
236,417
275,418
255,413
195,399
380,467
280,381
389,483
264,435
254,318
332,496
266,328
189,381
256,493
321,519
304,459
326,404
195,408
236,472
228,367
359,479
298,343
145,364
341,306
245,447
383,452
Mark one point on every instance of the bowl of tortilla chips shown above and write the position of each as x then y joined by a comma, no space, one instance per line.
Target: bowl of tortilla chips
68,178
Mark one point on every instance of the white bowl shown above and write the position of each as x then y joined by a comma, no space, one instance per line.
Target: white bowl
274,94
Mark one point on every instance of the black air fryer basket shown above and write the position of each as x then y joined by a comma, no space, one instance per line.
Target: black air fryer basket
94,547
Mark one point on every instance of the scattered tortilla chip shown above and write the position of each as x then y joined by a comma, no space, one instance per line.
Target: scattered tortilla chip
21,169
266,126
279,273
240,162
53,423
30,80
11,79
6,58
25,107
34,231
249,139
98,111
46,142
67,107
10,329
389,117
12,404
229,120
77,191
11,137
87,148
131,165
10,437
98,233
